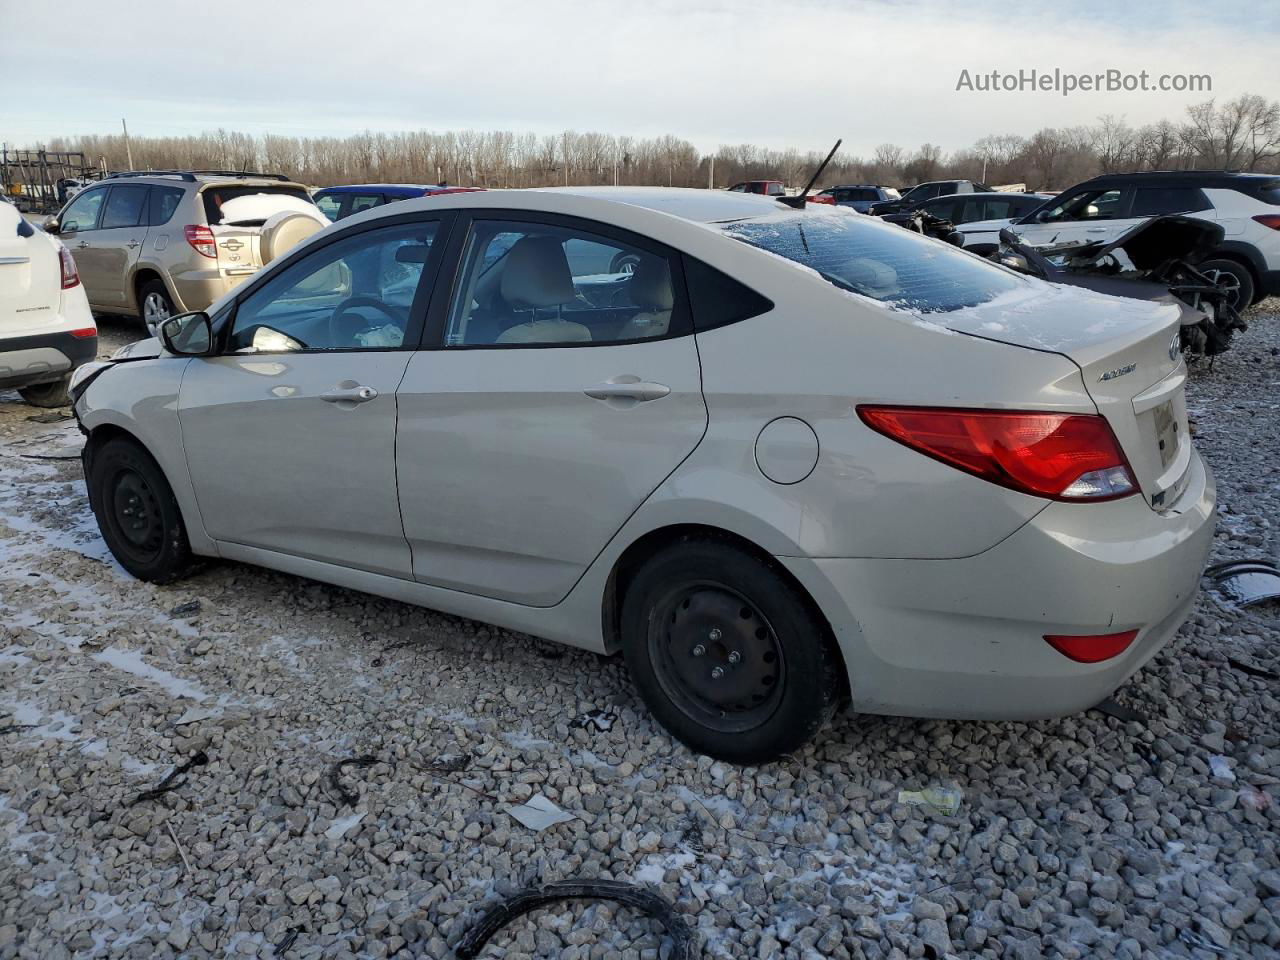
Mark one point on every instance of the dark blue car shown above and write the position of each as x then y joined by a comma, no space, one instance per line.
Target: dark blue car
338,202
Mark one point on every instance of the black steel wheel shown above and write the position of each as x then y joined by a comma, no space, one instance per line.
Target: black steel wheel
137,512
727,652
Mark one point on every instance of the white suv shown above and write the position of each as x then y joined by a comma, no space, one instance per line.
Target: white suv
1245,205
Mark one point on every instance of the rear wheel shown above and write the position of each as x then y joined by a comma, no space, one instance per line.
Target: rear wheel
1234,277
727,654
138,513
155,304
47,394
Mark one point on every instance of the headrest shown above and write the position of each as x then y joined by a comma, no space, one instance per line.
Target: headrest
536,274
650,286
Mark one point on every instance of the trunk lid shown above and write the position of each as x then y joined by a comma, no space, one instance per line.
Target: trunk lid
1130,354
30,275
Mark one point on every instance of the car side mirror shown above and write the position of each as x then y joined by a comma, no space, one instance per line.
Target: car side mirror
187,334
51,225
1041,217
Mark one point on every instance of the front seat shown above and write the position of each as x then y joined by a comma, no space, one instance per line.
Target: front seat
536,277
650,290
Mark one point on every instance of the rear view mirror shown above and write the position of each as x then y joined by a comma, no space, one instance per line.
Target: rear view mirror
412,253
51,225
187,334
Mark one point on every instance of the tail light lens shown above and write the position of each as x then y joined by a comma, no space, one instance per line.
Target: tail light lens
70,276
201,240
1271,220
820,198
1056,455
1091,649
84,333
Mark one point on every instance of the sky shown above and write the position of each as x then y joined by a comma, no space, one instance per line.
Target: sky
784,74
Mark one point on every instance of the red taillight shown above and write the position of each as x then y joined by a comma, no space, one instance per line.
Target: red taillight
820,198
84,333
1057,455
1271,220
1094,648
70,276
201,240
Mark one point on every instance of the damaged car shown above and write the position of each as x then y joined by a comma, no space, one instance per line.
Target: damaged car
796,458
1159,260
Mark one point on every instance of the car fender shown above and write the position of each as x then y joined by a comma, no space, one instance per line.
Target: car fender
140,398
131,286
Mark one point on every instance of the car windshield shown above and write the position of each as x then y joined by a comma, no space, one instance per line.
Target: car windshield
876,260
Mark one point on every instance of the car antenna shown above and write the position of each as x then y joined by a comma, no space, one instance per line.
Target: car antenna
798,201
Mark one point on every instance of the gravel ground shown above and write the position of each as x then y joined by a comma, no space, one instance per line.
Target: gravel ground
1085,836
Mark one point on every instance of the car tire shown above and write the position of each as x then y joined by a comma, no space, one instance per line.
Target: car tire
625,262
727,653
154,304
137,513
1233,274
52,394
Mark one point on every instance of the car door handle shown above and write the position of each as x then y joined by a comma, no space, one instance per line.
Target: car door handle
628,388
82,244
345,394
1096,230
131,244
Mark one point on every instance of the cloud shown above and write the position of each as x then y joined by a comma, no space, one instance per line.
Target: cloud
798,74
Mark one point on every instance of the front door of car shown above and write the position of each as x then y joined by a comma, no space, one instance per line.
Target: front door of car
78,229
1082,216
558,389
290,431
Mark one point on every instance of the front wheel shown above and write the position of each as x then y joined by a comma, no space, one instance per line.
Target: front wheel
137,512
727,653
47,394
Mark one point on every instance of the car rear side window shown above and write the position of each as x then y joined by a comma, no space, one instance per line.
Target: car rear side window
877,260
125,207
1158,201
164,201
717,299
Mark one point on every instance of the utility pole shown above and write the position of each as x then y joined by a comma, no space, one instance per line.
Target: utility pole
711,174
128,151
565,139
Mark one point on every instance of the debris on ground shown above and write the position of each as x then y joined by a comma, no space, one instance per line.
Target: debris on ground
1220,767
1247,582
537,813
627,894
600,719
348,797
176,778
1117,710
185,609
944,800
54,416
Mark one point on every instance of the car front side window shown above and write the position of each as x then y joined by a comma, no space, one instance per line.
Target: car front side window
83,213
540,284
356,293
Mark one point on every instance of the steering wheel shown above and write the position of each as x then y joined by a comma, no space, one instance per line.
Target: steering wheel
339,335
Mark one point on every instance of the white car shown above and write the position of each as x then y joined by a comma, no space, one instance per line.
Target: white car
46,328
1245,205
791,458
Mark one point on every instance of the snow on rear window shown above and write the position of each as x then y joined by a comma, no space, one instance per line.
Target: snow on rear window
887,263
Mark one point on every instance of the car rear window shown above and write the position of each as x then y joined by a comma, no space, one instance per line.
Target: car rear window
887,263
215,197
1270,193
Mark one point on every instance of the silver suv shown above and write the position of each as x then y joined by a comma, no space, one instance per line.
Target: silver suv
164,242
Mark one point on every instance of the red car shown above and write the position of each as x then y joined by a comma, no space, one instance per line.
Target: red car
769,188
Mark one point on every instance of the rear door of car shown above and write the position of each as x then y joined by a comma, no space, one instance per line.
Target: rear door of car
547,402
122,230
290,430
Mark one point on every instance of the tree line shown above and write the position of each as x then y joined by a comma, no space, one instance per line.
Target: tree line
1243,133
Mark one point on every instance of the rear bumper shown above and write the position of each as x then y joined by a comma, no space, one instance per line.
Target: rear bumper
43,357
963,638
199,289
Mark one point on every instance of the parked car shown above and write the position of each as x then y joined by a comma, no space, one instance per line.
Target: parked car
338,202
46,328
153,244
1003,524
927,191
1245,205
768,188
977,217
859,196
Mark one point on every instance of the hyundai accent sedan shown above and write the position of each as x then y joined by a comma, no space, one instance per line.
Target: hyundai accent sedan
787,459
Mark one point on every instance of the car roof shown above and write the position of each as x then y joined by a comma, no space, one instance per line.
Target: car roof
1201,178
383,187
700,206
994,194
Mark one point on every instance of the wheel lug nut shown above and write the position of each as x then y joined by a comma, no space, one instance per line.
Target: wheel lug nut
717,673
699,650
715,634
734,656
